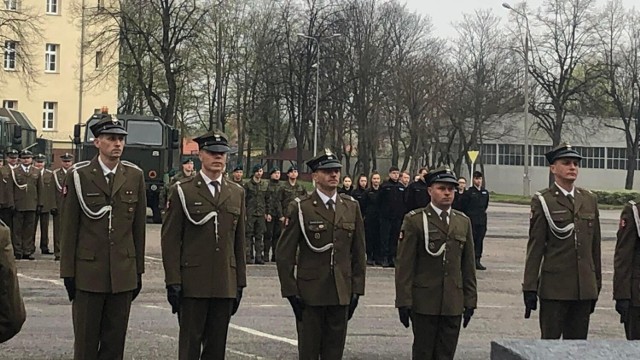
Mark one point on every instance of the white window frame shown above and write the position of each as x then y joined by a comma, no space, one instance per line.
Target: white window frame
49,115
10,55
11,5
51,52
10,104
52,7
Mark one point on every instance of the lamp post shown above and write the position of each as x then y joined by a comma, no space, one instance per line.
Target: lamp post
526,181
315,122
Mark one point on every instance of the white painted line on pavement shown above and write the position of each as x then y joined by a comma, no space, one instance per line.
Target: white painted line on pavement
243,329
51,281
152,258
251,356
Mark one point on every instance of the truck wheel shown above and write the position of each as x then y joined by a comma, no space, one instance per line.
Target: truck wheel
157,215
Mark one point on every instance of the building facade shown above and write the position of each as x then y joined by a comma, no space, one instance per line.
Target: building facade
60,96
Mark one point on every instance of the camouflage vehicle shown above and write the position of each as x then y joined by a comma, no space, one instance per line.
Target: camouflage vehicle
151,144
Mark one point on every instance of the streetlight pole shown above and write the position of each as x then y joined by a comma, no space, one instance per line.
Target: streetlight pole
526,180
315,121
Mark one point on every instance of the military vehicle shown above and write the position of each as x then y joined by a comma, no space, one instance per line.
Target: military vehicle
151,144
18,132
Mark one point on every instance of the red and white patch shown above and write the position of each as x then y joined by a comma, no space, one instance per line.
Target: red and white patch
623,223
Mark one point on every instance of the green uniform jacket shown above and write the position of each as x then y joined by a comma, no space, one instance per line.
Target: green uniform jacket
48,195
59,177
256,197
626,260
436,285
6,187
103,259
315,280
26,199
564,269
273,207
205,266
286,193
12,311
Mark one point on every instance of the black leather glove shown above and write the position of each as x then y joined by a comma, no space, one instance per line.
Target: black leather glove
404,312
530,302
54,212
593,305
297,305
468,313
353,305
70,285
622,307
236,302
174,294
136,292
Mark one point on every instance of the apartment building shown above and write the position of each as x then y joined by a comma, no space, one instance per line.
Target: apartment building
65,90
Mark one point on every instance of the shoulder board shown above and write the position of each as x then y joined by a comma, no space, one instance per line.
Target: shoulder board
458,212
79,165
184,180
632,202
234,183
130,164
301,198
49,171
348,197
585,190
416,211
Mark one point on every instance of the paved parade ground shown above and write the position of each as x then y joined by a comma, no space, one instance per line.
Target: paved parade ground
264,327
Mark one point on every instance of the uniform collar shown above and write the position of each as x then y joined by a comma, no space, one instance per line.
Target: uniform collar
25,168
325,198
439,211
208,181
105,170
565,192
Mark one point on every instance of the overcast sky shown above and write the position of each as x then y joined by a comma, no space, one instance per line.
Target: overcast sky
443,13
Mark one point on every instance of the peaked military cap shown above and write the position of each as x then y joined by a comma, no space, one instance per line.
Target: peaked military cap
273,169
326,160
213,141
40,158
563,151
292,168
66,157
13,153
256,168
108,125
441,175
26,154
238,168
188,160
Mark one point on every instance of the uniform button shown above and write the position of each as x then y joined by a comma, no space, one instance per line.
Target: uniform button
578,257
217,249
578,244
112,243
446,274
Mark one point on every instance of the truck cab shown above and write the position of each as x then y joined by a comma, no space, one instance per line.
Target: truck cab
151,144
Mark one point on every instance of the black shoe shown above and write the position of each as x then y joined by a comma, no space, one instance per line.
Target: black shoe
371,262
18,257
259,261
250,261
273,258
28,257
385,264
479,266
378,263
57,258
46,252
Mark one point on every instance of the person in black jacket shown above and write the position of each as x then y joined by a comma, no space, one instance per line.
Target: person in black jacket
358,192
475,202
457,196
372,221
416,196
347,185
391,207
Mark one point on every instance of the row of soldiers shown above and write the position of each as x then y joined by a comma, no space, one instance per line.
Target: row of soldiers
29,194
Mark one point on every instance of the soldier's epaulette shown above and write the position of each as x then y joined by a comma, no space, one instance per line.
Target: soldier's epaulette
236,184
416,211
302,198
458,212
348,197
130,164
583,189
79,165
185,180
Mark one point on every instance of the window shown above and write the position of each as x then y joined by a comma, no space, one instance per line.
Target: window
144,133
617,158
11,5
511,154
99,55
49,115
10,55
51,58
538,155
592,157
10,104
52,6
489,154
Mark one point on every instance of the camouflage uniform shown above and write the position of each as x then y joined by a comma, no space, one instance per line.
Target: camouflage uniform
273,227
256,202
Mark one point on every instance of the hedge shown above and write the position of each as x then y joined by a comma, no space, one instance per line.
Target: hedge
616,197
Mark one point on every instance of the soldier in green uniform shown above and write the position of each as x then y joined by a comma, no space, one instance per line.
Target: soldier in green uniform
12,311
6,188
435,271
26,194
323,241
288,191
47,202
626,271
203,252
274,213
562,266
255,190
185,173
103,243
237,175
59,177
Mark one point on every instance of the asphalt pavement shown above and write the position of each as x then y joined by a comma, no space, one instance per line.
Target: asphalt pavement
264,326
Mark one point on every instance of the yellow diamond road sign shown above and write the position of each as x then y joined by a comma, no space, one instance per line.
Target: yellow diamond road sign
473,155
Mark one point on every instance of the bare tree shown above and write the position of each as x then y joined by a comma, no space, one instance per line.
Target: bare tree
20,35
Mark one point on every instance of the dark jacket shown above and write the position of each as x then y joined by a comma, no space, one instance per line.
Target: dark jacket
475,203
457,200
391,200
416,196
359,194
342,190
371,207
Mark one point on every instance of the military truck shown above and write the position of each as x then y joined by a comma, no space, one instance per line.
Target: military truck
151,144
18,132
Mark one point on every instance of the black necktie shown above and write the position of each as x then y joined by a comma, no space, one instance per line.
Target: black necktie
110,177
330,204
216,184
443,216
570,197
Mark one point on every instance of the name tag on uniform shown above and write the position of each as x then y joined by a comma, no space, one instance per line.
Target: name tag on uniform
316,222
401,189
484,193
559,211
197,204
92,194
